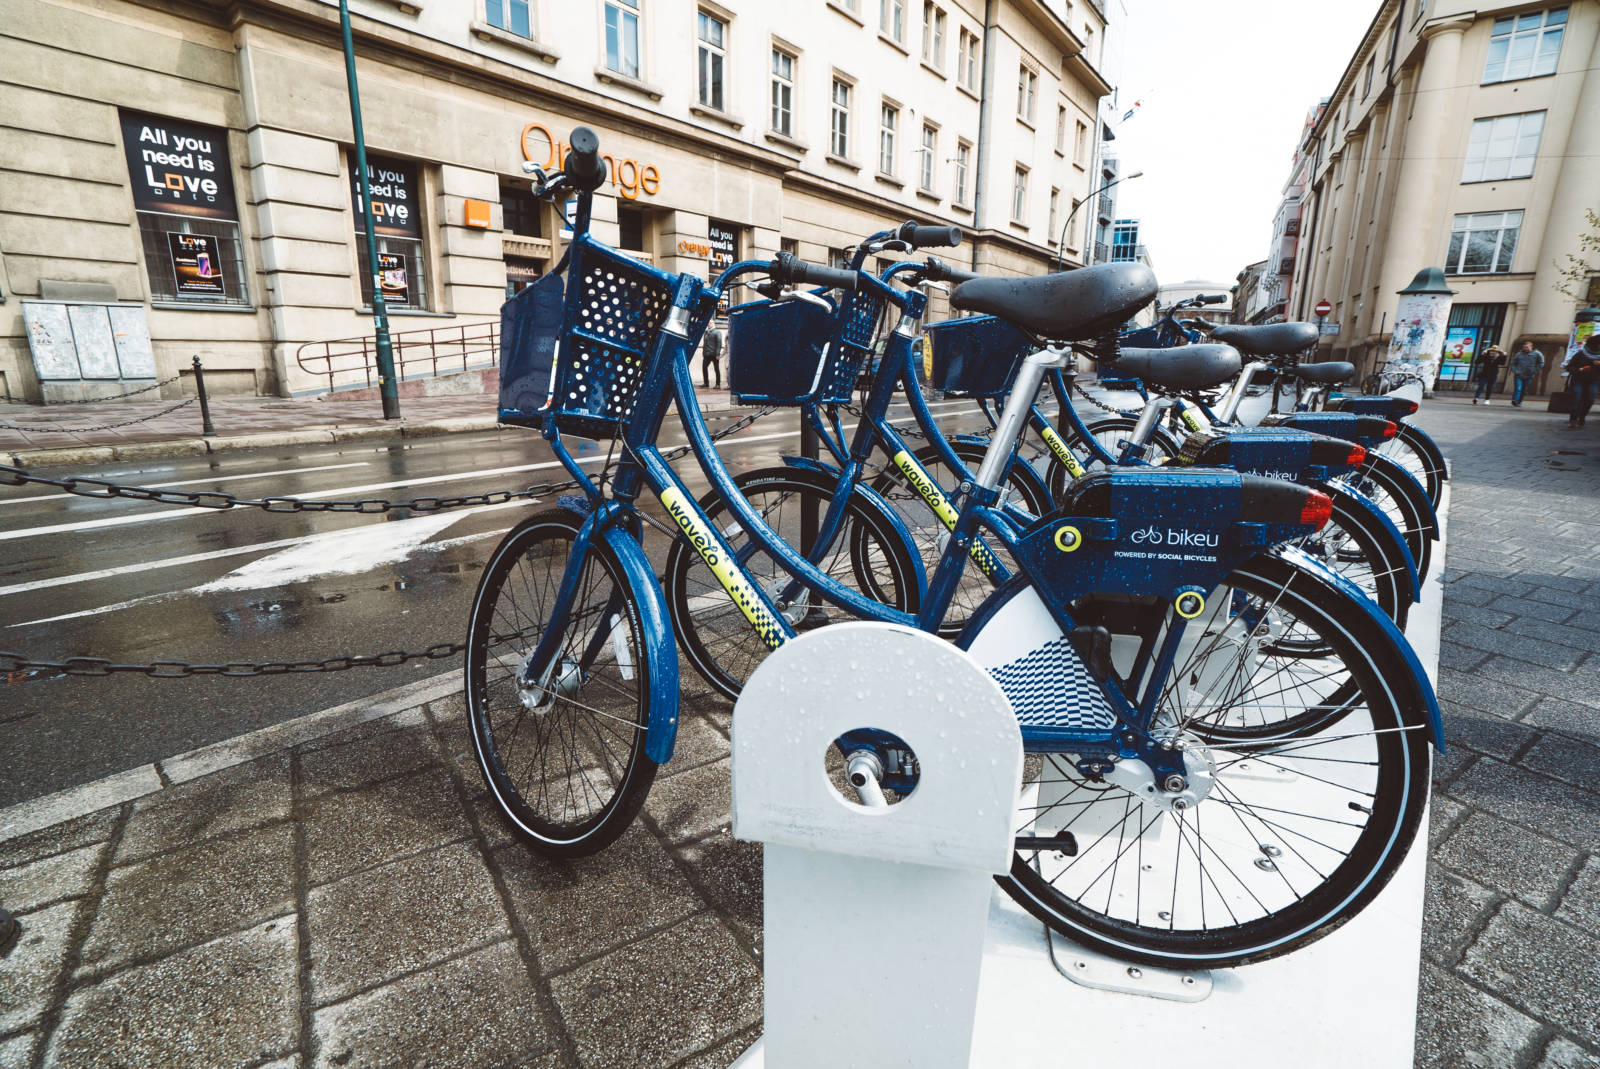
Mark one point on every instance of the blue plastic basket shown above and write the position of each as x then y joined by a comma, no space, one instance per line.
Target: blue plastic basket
578,353
859,318
976,356
778,351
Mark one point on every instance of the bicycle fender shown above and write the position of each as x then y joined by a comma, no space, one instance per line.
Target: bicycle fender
1424,441
873,500
1421,688
1370,507
657,645
1394,470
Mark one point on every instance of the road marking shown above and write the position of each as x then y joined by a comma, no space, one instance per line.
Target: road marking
204,482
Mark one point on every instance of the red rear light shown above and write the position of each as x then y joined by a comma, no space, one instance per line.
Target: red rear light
1411,408
1316,510
1357,457
1391,430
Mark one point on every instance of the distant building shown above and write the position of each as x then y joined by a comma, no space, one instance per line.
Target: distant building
1461,135
1125,244
1253,295
1194,287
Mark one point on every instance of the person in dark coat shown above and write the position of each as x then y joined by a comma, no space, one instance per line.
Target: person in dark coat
1583,378
1489,365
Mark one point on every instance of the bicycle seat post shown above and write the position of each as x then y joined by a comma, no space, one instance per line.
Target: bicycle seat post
1230,407
1030,375
1155,410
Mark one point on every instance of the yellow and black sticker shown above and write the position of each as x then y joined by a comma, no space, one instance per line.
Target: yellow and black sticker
1068,538
1062,452
929,491
1189,604
1189,412
739,588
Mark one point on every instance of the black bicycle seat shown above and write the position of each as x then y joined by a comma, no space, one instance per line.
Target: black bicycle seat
1069,306
1186,367
1268,339
1329,373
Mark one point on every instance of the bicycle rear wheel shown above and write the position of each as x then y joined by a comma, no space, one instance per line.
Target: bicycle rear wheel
1415,452
1292,830
563,756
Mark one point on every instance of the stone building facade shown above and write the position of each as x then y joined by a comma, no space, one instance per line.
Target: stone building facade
185,169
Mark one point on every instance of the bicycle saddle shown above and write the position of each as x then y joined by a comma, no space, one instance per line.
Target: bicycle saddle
1268,339
1069,306
1186,367
1329,373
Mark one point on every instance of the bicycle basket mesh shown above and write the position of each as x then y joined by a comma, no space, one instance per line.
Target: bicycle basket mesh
861,312
976,356
777,351
583,367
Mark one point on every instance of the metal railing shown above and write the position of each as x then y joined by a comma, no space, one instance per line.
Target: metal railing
351,363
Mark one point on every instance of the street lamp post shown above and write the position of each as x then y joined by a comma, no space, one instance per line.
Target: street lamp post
380,311
1061,246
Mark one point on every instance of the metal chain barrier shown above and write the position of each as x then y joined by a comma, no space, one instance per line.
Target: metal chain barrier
13,665
119,396
1102,406
99,427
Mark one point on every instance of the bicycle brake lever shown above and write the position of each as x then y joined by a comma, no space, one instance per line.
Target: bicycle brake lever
930,284
803,295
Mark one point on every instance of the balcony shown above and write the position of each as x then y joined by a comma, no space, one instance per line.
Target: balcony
1286,266
1291,229
1102,252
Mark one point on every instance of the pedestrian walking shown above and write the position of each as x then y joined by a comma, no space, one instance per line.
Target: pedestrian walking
1583,377
1526,363
1489,365
711,356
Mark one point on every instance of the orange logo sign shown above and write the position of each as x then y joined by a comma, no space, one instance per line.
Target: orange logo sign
630,177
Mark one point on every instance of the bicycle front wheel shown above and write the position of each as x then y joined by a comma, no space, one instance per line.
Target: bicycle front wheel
563,753
1284,833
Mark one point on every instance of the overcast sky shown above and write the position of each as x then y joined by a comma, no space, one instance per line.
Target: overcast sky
1226,85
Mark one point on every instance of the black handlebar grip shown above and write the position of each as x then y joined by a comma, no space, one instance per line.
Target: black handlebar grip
939,271
930,237
584,168
791,270
1215,298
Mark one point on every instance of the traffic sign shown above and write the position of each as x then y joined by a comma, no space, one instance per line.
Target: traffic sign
1323,308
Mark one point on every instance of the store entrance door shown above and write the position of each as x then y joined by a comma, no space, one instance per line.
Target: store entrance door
521,273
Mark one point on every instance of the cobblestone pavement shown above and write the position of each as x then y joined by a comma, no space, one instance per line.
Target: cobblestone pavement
351,899
1511,935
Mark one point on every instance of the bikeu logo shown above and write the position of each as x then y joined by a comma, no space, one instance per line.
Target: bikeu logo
1174,536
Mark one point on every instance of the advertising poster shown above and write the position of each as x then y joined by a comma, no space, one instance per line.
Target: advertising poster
1419,334
1460,349
394,196
196,264
723,241
178,167
1580,334
392,273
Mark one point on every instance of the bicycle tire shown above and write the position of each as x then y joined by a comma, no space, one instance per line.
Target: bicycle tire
713,633
1404,500
600,773
1418,454
1298,855
1355,545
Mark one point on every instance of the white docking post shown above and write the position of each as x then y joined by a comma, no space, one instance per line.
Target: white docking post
875,917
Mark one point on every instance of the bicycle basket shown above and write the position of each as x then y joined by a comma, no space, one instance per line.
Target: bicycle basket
578,353
976,356
857,323
777,351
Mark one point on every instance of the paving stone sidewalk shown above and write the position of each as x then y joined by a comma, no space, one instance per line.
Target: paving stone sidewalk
353,901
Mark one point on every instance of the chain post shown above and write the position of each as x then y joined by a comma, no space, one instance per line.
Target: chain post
206,427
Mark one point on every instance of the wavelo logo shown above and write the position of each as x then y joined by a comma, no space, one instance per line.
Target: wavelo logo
1174,536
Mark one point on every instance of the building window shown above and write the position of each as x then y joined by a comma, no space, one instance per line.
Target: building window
1483,243
1071,239
933,36
892,18
1027,90
783,92
519,210
1050,225
713,60
789,245
173,242
886,130
1061,128
963,162
1019,195
1372,67
930,141
1505,147
840,141
968,62
1080,146
622,37
1525,46
396,199
630,229
510,15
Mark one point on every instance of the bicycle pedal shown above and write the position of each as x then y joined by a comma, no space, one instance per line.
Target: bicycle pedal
1094,649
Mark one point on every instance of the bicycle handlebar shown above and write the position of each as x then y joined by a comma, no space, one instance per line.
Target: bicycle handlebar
939,271
927,237
788,269
584,168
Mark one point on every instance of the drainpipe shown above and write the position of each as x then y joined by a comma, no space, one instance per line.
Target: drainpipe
984,103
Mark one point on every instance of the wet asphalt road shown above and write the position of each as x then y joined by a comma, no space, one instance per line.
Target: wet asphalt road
205,586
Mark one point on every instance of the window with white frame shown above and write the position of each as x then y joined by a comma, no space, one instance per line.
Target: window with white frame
1027,91
967,61
1061,128
839,137
963,165
892,18
1503,147
513,16
1050,226
1019,194
1366,87
1525,46
782,92
933,35
1080,145
1483,243
713,58
622,37
930,143
887,124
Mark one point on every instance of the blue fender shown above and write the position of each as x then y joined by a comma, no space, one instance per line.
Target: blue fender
658,647
1396,471
1422,689
1370,507
875,501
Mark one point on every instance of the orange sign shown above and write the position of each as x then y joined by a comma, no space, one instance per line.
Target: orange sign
478,213
695,248
629,176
